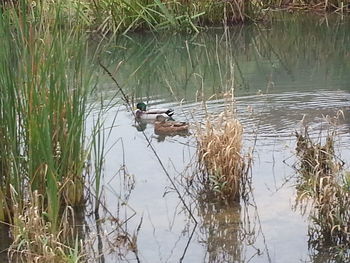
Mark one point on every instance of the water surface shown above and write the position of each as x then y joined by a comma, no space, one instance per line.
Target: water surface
290,69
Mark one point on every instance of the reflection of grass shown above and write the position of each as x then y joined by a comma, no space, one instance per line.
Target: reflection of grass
325,184
247,58
228,228
224,229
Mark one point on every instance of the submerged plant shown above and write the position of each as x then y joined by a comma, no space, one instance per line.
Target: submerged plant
219,151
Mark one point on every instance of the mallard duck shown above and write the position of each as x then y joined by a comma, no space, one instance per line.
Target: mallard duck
143,113
162,126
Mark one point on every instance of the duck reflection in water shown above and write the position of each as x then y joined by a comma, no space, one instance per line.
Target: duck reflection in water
141,125
161,137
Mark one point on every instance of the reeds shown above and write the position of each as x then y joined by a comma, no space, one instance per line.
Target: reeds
219,151
317,6
44,84
124,16
324,182
33,239
188,15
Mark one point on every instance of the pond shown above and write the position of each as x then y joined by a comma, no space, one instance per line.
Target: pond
289,69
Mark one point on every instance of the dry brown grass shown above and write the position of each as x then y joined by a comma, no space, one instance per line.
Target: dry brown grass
219,152
324,182
34,240
315,6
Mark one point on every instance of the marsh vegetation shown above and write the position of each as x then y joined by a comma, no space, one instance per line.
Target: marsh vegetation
324,183
45,79
221,159
78,180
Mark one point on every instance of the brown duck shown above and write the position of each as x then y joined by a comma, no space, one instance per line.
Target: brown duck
162,126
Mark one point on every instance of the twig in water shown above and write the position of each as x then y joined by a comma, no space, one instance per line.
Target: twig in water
150,144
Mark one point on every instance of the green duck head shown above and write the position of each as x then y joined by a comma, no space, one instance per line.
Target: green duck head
141,106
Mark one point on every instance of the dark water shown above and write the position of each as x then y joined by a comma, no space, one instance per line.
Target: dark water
292,68
5,242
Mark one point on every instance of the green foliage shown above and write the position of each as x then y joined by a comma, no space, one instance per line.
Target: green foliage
44,81
126,15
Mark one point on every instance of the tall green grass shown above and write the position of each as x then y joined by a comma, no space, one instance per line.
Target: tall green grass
44,83
125,15
190,15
